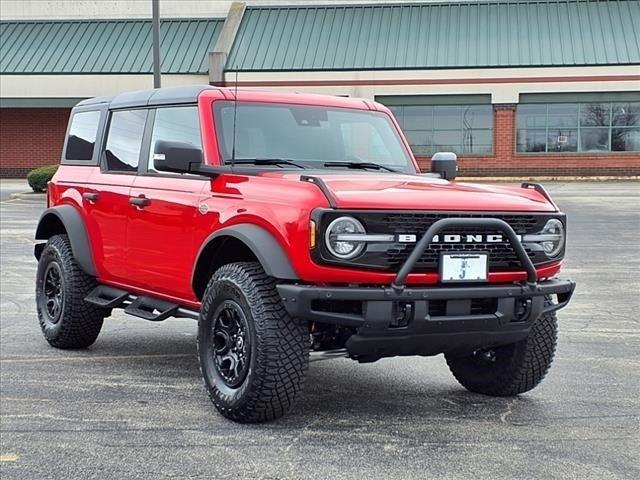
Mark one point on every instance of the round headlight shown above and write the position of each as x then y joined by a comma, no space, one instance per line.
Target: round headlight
553,233
340,248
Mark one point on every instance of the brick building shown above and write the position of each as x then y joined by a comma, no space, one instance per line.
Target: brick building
515,88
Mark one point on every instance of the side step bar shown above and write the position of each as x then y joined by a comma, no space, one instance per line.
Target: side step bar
107,297
151,309
148,308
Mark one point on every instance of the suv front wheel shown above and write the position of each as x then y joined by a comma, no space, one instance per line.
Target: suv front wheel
512,369
253,356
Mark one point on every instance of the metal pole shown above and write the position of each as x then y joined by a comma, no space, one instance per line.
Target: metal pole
155,6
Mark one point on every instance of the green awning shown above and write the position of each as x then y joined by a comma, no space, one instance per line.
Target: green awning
480,34
105,46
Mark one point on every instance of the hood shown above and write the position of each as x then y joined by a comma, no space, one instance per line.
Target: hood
387,191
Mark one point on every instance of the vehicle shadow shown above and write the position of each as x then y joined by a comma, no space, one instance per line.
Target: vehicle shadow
402,390
376,393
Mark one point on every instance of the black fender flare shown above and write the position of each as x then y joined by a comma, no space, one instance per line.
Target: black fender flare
76,230
264,246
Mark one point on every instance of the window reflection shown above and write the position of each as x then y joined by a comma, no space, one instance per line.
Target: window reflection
82,135
456,128
175,124
578,127
124,140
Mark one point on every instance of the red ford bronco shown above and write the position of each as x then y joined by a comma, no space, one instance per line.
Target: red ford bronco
288,223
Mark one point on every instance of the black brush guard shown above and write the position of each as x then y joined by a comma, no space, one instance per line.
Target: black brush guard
401,320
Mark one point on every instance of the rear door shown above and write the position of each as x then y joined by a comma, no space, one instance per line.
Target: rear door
161,251
107,198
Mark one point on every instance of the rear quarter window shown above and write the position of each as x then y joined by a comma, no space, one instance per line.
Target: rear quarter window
81,139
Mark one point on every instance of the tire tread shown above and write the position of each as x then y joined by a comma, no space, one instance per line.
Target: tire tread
522,370
282,354
80,322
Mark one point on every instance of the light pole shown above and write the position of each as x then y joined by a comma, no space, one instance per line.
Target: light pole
155,7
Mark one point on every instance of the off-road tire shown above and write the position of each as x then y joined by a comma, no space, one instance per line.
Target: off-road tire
78,323
278,345
517,368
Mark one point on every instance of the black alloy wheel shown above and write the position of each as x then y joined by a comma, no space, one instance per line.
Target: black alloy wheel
53,292
231,343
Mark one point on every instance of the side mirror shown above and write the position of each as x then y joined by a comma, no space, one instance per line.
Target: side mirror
176,157
445,164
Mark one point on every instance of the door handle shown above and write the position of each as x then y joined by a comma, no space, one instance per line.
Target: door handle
139,202
91,196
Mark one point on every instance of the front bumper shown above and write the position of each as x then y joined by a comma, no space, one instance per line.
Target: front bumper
397,320
427,321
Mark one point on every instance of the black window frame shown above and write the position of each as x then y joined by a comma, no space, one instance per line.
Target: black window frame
97,147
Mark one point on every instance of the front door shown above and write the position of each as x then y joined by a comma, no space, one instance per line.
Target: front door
160,237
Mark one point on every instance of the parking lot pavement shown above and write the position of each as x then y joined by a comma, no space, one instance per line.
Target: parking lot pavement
9,186
133,405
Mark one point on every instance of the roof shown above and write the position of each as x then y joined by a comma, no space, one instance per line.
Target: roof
438,35
105,46
191,93
144,98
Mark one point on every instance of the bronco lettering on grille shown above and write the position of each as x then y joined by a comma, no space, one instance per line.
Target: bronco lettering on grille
471,238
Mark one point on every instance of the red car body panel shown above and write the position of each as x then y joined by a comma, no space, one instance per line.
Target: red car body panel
387,191
154,250
161,247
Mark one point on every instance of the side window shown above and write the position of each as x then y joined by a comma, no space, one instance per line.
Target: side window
175,124
124,140
82,136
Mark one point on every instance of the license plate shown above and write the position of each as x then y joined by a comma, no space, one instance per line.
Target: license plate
464,267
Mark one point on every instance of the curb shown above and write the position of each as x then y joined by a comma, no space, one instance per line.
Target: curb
28,196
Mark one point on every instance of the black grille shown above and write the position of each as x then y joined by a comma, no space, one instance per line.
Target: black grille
500,255
419,222
391,256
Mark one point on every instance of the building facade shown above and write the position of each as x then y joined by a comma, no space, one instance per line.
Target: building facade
515,88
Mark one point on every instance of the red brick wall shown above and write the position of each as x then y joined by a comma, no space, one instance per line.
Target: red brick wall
505,161
30,138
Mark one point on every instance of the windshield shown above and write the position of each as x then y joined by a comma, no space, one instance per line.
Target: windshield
310,136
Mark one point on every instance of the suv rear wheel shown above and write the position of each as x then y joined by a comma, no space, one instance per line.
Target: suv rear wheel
66,320
253,356
510,369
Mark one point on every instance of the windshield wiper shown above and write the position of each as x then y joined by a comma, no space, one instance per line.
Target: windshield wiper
266,161
361,165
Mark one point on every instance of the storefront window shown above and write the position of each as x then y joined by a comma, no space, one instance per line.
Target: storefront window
625,133
578,127
463,129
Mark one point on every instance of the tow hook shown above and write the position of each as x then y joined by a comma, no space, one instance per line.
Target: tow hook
403,315
523,309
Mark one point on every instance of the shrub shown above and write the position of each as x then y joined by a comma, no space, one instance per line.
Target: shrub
39,177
